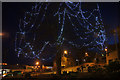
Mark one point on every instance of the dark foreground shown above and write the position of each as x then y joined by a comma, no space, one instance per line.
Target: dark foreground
72,76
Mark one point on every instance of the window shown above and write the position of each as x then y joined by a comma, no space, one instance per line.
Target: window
110,61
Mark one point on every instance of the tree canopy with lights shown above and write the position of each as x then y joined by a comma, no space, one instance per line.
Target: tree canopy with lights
51,24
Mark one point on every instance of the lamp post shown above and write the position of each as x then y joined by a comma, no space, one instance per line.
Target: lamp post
106,49
65,52
86,54
106,55
37,63
77,61
58,60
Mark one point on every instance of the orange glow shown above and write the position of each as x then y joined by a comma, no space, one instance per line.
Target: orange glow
37,63
1,34
86,54
106,50
65,52
4,63
43,66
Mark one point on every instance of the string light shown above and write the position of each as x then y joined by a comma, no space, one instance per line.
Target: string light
71,11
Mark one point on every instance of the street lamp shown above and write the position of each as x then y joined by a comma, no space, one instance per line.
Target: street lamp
106,49
37,63
86,54
77,61
106,52
65,52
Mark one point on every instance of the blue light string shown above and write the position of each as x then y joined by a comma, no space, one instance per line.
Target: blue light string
60,39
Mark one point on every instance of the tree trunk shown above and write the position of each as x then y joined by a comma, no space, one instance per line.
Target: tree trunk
58,61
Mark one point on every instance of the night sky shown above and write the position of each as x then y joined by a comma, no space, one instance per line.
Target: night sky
12,12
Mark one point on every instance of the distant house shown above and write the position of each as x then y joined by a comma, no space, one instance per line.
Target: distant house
112,56
66,61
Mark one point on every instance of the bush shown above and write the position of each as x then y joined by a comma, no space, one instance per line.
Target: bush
113,66
27,75
95,69
99,70
64,72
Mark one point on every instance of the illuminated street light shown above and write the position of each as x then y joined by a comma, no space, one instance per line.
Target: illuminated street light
86,54
77,61
106,50
37,63
65,52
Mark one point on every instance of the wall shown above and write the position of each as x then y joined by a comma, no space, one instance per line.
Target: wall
23,70
112,56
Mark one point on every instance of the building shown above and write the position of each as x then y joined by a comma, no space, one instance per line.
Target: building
66,61
118,31
113,53
112,56
11,68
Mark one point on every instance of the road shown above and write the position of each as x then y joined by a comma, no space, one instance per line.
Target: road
69,69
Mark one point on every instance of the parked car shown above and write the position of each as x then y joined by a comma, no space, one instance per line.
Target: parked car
17,73
8,75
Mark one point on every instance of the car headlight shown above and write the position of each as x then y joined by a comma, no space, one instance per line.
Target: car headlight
4,75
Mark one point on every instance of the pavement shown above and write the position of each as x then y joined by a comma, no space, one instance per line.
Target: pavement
72,76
